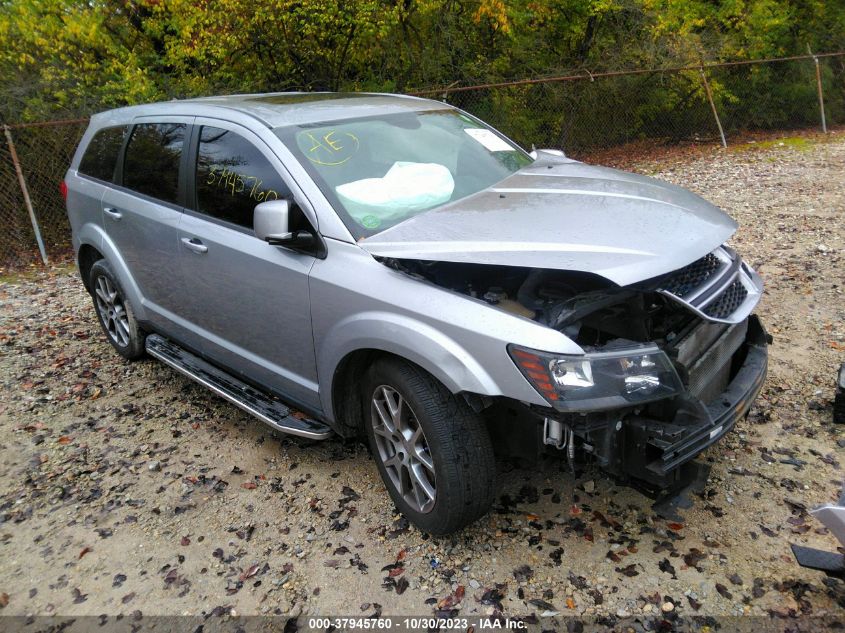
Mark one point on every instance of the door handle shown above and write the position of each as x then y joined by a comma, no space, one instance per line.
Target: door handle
193,244
113,213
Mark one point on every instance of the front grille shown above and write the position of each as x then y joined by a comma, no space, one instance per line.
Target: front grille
717,287
727,302
690,277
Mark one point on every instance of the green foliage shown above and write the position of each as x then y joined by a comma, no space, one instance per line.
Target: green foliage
71,57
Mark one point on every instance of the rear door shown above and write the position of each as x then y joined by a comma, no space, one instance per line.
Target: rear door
248,300
94,175
141,215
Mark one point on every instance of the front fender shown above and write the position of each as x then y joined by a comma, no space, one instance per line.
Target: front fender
408,338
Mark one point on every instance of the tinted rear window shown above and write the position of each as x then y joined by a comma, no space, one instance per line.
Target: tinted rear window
100,157
152,160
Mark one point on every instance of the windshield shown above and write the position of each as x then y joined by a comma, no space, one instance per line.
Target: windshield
379,171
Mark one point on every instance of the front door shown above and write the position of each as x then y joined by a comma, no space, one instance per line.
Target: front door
246,299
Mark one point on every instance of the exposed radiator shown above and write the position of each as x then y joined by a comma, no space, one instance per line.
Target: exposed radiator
707,354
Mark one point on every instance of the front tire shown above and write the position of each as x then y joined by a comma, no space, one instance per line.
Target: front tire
432,450
114,312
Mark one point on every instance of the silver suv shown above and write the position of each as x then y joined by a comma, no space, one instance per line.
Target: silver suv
398,270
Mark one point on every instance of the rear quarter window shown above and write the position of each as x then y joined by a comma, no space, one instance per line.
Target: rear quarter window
100,157
151,165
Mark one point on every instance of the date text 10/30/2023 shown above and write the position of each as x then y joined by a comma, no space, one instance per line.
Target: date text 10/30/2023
387,623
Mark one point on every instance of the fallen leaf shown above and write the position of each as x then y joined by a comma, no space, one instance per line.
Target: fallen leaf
666,567
523,573
630,570
249,573
541,604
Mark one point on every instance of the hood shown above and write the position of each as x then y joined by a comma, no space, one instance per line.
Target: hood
566,215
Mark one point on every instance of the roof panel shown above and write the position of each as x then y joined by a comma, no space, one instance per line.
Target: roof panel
299,108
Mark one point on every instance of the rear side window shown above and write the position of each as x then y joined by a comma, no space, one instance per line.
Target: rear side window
152,160
233,176
100,157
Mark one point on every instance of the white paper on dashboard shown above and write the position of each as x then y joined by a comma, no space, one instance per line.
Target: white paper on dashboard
489,140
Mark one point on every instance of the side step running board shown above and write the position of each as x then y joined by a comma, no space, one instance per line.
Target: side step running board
254,401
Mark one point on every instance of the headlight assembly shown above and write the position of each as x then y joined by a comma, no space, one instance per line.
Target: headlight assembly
603,380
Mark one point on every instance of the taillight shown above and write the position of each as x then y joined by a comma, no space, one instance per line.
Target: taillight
63,189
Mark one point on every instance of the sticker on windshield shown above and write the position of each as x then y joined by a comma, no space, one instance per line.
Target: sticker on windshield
371,221
489,140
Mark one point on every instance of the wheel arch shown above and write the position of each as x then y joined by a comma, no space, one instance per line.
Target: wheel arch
95,244
87,256
347,405
358,341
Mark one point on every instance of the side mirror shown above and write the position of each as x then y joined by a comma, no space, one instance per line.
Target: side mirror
271,219
271,223
549,158
546,153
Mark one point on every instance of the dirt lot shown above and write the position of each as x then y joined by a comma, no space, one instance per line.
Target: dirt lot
127,489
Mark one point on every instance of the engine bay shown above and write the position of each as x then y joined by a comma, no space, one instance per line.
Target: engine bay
592,311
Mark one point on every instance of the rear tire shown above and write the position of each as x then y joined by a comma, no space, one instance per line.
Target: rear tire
432,450
114,312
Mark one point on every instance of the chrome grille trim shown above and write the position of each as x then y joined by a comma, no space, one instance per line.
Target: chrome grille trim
726,292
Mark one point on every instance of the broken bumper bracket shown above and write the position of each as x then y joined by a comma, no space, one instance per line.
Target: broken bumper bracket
831,563
670,445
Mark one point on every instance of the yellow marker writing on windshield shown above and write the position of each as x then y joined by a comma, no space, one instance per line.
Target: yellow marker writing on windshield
329,150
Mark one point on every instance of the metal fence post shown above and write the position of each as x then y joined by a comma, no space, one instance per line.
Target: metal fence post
713,106
821,93
25,191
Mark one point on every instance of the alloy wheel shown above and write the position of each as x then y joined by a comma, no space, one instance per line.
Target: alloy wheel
112,311
403,448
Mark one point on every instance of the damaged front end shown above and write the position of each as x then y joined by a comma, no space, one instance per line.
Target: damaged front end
669,365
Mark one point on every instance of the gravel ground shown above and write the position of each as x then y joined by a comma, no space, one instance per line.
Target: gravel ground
128,489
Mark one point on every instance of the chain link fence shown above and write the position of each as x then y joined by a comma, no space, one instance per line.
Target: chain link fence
582,113
43,152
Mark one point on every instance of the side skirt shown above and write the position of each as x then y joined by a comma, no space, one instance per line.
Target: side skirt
263,406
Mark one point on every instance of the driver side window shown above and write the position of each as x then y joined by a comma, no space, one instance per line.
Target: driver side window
233,176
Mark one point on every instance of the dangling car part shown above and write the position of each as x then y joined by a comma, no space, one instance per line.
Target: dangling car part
832,516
